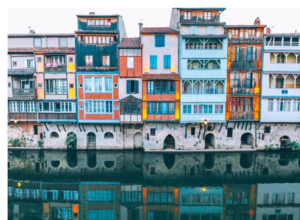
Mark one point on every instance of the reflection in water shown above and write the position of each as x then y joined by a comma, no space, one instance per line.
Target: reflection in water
132,185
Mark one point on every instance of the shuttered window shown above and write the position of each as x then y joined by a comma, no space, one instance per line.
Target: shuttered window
237,53
132,86
167,61
251,53
153,61
249,80
159,40
161,87
210,30
161,108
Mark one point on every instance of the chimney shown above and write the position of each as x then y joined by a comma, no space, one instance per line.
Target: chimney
31,32
268,30
140,28
92,13
257,21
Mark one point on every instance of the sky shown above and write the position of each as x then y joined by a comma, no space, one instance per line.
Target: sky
63,20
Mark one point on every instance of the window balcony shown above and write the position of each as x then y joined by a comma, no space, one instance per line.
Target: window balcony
23,116
242,91
55,64
30,93
200,19
241,116
58,69
57,116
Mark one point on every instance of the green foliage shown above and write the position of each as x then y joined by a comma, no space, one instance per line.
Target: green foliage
15,142
271,147
71,141
293,145
40,143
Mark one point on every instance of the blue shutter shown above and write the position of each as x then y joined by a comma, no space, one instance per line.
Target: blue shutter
136,86
162,44
165,61
153,62
156,40
169,61
128,86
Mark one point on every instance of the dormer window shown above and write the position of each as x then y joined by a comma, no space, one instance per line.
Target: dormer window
37,42
252,34
207,15
99,22
187,15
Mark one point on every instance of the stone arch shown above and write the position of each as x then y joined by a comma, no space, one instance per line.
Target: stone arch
108,135
246,161
109,164
138,140
71,142
169,142
209,141
54,134
247,140
91,140
209,161
169,160
55,163
91,158
284,141
72,159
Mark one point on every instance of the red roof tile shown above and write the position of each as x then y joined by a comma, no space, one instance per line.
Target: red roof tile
203,36
43,50
158,30
130,42
40,35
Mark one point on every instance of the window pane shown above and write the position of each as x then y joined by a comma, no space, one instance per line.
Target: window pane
62,42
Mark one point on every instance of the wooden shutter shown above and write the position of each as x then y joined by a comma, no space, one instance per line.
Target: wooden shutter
165,61
169,61
128,86
254,53
235,79
162,40
191,29
155,62
249,53
237,53
136,86
156,40
253,79
232,54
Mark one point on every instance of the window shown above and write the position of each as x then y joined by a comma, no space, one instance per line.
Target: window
283,105
161,108
251,53
22,106
71,86
35,129
128,108
100,196
98,84
79,38
237,53
187,15
29,63
37,42
70,59
279,83
14,63
267,129
9,85
218,109
62,42
167,61
105,61
89,60
54,135
61,86
152,131
270,105
80,85
40,85
97,107
39,59
108,135
153,61
132,86
81,107
13,106
296,105
290,197
250,80
187,109
57,107
266,198
193,130
161,87
130,62
201,64
207,15
159,40
229,132
53,86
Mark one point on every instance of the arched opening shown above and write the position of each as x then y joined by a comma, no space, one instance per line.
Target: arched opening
71,140
210,141
138,140
91,140
109,164
246,140
284,141
72,158
169,160
55,163
169,142
54,135
108,135
91,159
209,161
246,161
138,158
283,160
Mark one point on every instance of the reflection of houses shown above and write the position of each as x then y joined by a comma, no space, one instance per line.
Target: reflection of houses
278,201
239,201
201,203
131,202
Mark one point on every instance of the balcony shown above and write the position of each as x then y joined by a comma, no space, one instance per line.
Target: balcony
57,116
241,116
55,64
23,116
24,92
58,69
200,19
242,91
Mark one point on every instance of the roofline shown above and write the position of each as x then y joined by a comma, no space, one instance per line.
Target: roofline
283,35
204,24
95,32
220,9
204,36
38,35
129,47
108,16
231,26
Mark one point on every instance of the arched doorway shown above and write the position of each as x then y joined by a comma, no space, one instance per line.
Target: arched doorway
210,141
246,161
284,141
138,140
72,158
246,140
209,161
91,159
91,140
169,160
169,142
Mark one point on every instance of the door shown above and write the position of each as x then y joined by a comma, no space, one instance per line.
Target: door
91,141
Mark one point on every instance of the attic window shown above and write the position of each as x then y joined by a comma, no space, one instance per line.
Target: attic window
99,22
187,15
207,15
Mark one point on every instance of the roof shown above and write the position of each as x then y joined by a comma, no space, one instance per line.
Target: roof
43,50
40,35
220,9
158,30
203,36
81,16
283,34
243,25
161,76
200,23
96,32
130,43
28,71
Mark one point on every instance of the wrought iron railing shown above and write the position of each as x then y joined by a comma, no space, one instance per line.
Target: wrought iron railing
57,116
56,69
242,91
200,19
241,115
23,92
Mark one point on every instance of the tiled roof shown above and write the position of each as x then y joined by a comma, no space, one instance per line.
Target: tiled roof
98,15
43,50
220,9
204,36
202,23
95,32
161,76
157,30
283,34
243,25
130,42
40,35
28,71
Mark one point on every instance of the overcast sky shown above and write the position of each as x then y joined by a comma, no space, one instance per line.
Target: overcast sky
65,21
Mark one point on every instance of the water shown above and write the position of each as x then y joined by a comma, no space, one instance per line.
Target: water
132,185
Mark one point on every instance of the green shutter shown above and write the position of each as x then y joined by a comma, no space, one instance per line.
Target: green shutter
136,86
128,86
